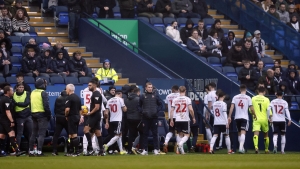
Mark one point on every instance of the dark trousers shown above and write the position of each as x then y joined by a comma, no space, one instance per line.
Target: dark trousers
60,124
24,125
124,130
73,25
40,126
110,135
126,13
103,13
150,124
194,132
133,132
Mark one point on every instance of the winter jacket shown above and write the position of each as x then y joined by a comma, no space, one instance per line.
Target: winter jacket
286,74
194,44
179,5
30,64
59,106
173,33
127,4
132,104
292,25
219,31
64,51
259,73
200,7
35,47
259,45
26,112
77,65
203,34
13,11
250,83
186,32
275,14
294,85
285,92
211,45
46,63
8,45
234,56
278,79
231,43
250,54
284,16
269,84
150,104
142,6
160,6
60,65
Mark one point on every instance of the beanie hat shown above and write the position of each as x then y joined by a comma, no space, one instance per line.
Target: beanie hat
248,34
106,60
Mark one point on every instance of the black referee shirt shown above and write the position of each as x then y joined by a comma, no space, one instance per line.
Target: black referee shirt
5,104
74,103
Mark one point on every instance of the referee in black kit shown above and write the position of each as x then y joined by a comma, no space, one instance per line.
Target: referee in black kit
72,113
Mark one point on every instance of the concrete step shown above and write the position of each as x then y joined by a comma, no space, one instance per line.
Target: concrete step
212,12
239,36
53,34
238,32
277,57
92,60
61,39
225,21
230,26
36,19
66,44
200,137
85,54
95,65
34,14
28,9
45,29
284,62
73,49
218,16
122,81
41,24
270,52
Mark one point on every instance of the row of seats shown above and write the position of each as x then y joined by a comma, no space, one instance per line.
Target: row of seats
217,62
22,41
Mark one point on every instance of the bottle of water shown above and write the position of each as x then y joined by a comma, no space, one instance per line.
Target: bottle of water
35,149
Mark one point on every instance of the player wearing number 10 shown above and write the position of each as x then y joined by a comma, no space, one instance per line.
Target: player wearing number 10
260,105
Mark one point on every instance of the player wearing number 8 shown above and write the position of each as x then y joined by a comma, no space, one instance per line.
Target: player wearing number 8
279,108
260,105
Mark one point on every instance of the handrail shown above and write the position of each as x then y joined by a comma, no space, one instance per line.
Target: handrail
134,48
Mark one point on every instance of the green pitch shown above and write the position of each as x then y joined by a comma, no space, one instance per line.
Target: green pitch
169,161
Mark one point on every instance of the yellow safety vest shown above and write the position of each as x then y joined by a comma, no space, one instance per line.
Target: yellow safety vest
20,99
36,101
108,73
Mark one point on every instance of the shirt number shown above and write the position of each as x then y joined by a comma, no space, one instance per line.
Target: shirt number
217,112
278,111
179,109
113,108
241,104
88,99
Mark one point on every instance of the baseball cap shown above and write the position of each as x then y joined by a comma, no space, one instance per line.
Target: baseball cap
256,32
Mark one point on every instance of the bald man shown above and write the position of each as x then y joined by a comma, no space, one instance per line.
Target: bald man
268,81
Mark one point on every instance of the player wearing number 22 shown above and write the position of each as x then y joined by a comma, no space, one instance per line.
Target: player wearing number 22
219,109
115,106
279,108
260,105
182,106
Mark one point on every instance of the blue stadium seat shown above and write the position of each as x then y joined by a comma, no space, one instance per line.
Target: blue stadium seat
2,80
84,80
14,70
168,21
267,67
214,61
223,60
42,39
71,80
57,80
237,69
195,21
203,58
29,80
11,80
181,22
157,21
233,78
32,31
218,68
225,30
143,19
160,28
268,61
25,39
229,71
117,12
16,61
16,41
95,15
16,51
208,22
62,15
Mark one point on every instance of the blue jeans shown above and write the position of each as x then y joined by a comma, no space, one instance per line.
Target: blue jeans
40,126
24,125
73,25
265,56
150,124
190,15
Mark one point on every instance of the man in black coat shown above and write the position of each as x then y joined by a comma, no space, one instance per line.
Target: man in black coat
250,53
186,32
202,31
200,7
268,81
247,76
235,56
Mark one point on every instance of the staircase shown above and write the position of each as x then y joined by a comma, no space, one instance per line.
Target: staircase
44,26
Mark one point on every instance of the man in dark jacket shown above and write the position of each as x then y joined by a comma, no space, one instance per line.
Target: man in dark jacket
4,38
247,75
18,5
110,93
60,65
20,79
291,68
21,101
235,56
150,104
163,8
184,9
260,70
194,127
202,31
30,64
133,118
268,80
200,7
60,119
46,69
284,88
277,76
145,8
186,32
41,115
127,8
272,11
294,83
250,53
31,44
74,10
78,65
106,8
59,47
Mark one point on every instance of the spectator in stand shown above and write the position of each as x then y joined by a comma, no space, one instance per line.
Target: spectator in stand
8,3
260,70
30,64
200,7
277,64
20,80
145,8
31,44
5,21
259,44
260,84
231,41
247,75
20,24
172,32
235,56
106,74
110,93
283,14
294,23
196,45
277,77
213,44
78,65
5,65
4,38
163,8
74,10
257,3
184,9
279,2
217,27
127,8
294,82
268,80
186,32
247,36
202,31
106,8
46,68
283,86
250,53
60,47
266,5
272,11
50,6
6,52
18,5
291,67
292,11
61,65
290,2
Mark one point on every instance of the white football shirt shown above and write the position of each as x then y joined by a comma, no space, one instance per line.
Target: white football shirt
279,108
181,109
169,100
212,97
220,113
87,94
241,103
114,105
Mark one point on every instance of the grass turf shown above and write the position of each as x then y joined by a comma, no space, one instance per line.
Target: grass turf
171,160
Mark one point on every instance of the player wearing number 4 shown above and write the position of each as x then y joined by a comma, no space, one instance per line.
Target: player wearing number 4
241,103
182,106
279,108
115,106
219,109
260,105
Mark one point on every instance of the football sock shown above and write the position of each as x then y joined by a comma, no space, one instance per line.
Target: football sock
89,140
208,134
283,141
228,143
75,144
136,142
71,146
112,141
239,138
2,144
242,141
85,143
255,141
212,142
119,141
183,140
275,137
168,137
178,139
267,141
100,142
13,143
221,140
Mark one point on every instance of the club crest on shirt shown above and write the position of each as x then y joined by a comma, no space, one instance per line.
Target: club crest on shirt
80,63
152,96
67,101
96,98
7,104
63,62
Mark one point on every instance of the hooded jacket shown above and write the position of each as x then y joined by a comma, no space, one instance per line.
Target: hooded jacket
161,6
132,104
250,83
179,5
231,43
76,65
59,106
194,44
219,31
150,105
294,84
233,57
60,65
30,64
286,74
186,32
285,92
46,63
63,50
35,47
